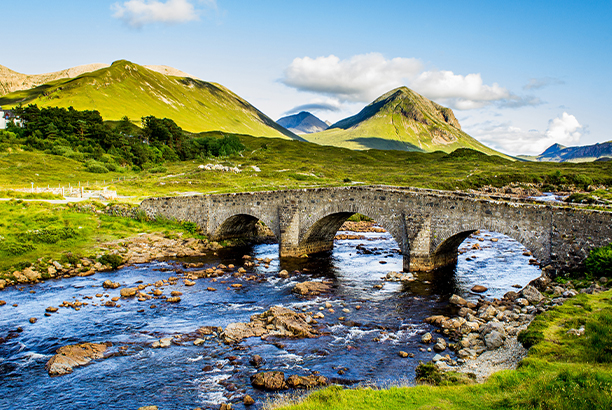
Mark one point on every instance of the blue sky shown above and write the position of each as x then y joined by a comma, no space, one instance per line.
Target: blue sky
519,75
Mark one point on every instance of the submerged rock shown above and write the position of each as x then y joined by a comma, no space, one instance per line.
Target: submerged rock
71,356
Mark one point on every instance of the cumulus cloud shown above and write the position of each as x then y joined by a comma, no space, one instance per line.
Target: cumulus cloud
360,78
564,130
538,83
138,13
366,76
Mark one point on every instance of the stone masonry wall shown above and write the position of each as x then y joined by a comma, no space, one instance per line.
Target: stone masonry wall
427,225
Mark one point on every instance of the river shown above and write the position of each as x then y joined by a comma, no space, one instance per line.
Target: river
361,349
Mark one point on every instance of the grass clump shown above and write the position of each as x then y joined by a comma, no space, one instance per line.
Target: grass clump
599,261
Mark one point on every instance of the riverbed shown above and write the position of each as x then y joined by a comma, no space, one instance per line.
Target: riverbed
361,334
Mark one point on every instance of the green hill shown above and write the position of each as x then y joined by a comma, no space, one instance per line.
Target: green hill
129,89
400,120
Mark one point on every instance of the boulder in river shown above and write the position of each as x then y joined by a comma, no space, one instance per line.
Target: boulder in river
306,382
311,288
532,294
269,380
457,300
71,356
278,321
128,292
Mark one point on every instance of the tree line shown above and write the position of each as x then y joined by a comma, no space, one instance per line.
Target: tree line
84,136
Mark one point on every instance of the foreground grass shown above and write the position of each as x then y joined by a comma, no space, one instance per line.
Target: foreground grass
286,164
562,371
30,231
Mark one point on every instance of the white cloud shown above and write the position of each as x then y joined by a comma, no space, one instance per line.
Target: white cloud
564,130
138,13
463,92
360,78
365,77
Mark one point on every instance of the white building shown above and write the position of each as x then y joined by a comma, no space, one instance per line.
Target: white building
7,116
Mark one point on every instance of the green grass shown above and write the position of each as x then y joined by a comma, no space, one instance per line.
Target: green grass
28,195
294,164
130,89
33,230
561,372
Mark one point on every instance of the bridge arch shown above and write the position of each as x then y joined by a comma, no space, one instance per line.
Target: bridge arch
241,224
446,245
317,232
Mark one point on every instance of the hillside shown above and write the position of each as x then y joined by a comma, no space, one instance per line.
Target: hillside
303,123
587,153
128,89
401,120
11,81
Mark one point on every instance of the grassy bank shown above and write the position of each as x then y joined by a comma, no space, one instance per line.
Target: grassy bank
562,371
33,231
272,164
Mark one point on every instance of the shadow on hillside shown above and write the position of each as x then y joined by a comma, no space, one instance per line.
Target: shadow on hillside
385,144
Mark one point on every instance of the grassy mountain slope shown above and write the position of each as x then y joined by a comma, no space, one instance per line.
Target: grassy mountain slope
403,120
129,89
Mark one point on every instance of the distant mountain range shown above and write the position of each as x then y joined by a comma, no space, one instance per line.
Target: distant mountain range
398,120
128,89
303,123
586,153
402,120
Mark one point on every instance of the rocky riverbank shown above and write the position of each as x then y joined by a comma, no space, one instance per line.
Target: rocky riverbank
140,249
484,335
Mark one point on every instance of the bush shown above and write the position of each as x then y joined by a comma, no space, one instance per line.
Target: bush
158,170
113,260
96,167
47,235
190,227
599,262
13,248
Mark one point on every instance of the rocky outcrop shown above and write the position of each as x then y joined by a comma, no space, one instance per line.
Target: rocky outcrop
71,356
278,321
306,382
275,380
269,380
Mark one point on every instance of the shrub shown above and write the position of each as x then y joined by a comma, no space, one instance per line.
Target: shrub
158,169
190,227
96,167
599,262
113,260
47,235
13,248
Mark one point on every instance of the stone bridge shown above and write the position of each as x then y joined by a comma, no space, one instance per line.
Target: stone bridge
427,225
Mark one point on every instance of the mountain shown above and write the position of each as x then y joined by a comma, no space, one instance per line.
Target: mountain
128,89
11,81
402,120
303,123
587,153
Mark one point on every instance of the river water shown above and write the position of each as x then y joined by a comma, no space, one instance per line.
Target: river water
362,349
